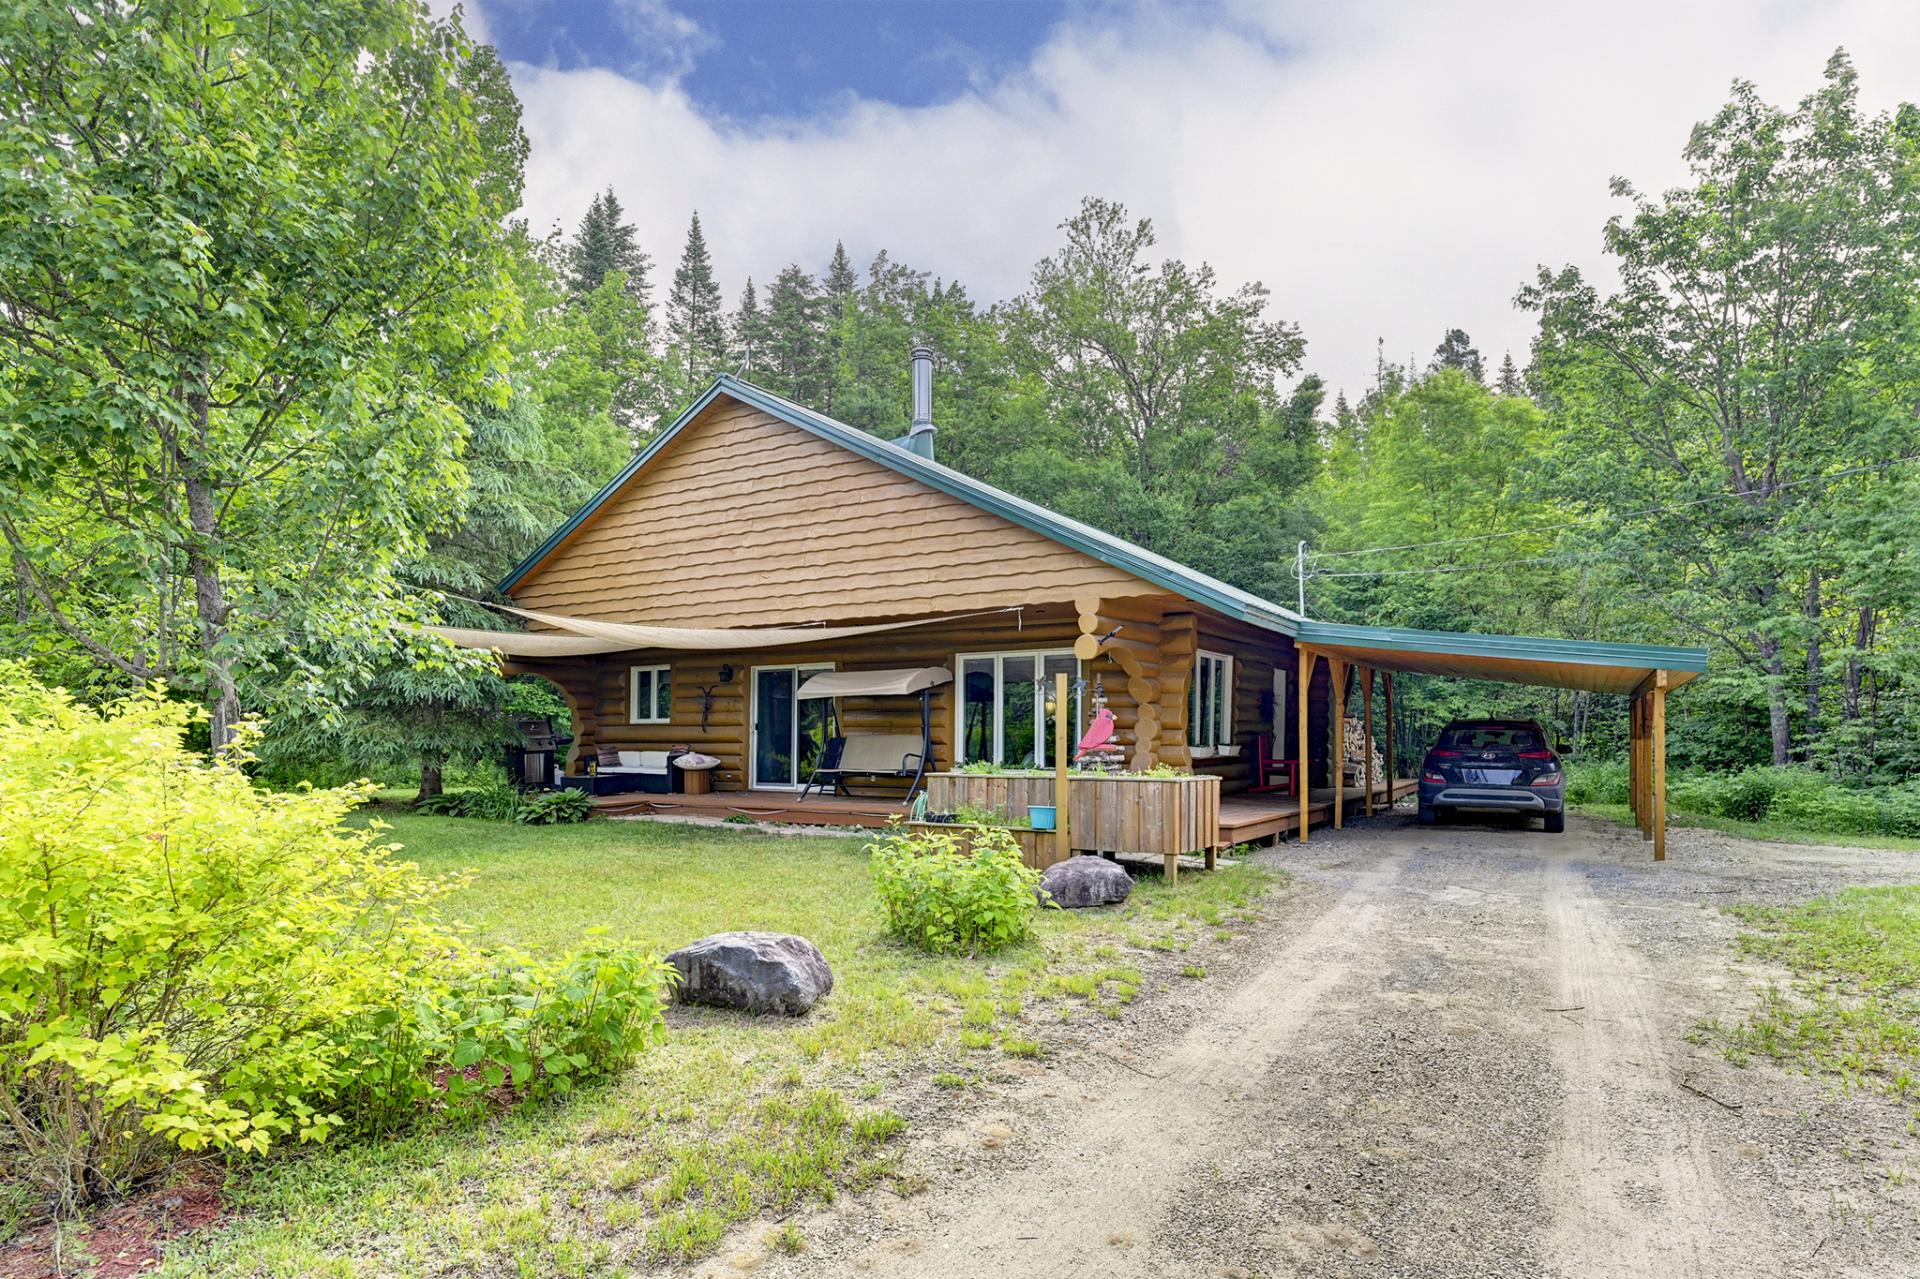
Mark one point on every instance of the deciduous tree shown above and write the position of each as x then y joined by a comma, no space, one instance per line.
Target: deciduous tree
249,271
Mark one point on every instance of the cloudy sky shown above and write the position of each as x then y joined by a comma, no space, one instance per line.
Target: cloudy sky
1387,170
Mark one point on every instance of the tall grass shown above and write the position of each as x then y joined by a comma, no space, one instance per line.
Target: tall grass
1799,798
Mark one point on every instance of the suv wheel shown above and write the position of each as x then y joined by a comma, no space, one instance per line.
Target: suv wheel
1428,816
1556,822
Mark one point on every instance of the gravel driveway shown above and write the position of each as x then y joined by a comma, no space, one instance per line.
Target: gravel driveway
1462,1051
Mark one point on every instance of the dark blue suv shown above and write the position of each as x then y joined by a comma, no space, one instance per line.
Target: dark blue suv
1494,765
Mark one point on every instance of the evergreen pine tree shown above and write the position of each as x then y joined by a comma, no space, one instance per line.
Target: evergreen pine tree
604,243
838,302
696,316
839,284
1510,382
796,364
1456,351
750,332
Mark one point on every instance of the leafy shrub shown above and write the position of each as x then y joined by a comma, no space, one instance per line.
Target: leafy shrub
1599,782
943,899
980,815
502,803
543,1026
554,808
185,960
1795,797
1846,810
192,963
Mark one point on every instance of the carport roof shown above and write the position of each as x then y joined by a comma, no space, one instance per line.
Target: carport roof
1517,659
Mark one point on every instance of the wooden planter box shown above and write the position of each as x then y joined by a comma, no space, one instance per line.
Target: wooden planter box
1036,846
1151,816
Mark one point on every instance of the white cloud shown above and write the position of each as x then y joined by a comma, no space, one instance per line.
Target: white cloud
670,41
1387,171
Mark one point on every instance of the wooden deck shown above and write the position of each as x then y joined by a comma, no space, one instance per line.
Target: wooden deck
1249,819
761,806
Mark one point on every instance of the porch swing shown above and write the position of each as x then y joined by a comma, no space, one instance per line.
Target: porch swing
875,756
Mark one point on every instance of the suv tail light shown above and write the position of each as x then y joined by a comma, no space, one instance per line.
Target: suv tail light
1536,754
1437,753
1546,779
1428,775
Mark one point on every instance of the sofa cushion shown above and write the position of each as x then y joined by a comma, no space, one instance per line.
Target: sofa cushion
880,752
653,763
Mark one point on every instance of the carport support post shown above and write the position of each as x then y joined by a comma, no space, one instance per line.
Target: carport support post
1633,760
1393,765
1301,697
1337,735
1366,729
1657,742
1062,835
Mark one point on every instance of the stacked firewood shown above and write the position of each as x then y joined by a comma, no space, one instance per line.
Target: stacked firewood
1355,753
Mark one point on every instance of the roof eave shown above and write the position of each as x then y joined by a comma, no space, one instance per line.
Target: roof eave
1511,647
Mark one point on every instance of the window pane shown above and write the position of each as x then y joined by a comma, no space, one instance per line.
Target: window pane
1221,692
819,720
1017,711
1059,664
1193,705
976,710
773,746
663,694
1206,701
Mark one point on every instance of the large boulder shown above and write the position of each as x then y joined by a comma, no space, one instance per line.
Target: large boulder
757,972
1084,880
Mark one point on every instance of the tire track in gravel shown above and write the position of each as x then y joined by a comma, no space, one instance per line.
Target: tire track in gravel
1629,1185
1129,1147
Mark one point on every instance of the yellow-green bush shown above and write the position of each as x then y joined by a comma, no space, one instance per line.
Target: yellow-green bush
190,963
943,899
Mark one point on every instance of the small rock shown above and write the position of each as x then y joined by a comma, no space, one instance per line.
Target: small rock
757,972
1083,881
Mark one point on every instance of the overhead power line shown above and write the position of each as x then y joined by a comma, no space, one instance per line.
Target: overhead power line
1596,519
1446,568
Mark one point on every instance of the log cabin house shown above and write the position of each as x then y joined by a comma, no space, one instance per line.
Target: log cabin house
686,604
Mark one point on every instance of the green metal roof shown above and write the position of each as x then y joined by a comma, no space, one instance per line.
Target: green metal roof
1588,664
1575,663
1105,547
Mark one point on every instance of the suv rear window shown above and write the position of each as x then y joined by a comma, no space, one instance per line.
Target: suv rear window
1490,737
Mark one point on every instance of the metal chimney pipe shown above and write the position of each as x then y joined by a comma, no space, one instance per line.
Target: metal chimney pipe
920,434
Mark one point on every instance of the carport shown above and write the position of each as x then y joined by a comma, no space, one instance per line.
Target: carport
1643,673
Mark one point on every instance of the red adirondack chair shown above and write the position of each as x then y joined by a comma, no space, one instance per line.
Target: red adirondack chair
1266,768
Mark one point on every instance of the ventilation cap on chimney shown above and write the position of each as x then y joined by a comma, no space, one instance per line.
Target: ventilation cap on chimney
920,435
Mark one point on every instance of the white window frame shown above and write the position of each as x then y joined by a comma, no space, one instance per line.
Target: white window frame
1222,681
652,676
1039,657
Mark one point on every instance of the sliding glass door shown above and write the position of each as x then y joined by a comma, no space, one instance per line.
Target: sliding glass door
788,732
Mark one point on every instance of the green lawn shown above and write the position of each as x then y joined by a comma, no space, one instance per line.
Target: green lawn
1767,832
1853,1007
734,1118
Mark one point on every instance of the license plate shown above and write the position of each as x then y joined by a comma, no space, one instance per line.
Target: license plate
1489,776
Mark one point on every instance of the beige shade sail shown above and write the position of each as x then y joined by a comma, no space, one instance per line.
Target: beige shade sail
893,683
582,637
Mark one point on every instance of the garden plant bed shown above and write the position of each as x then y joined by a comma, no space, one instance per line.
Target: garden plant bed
1151,816
1039,849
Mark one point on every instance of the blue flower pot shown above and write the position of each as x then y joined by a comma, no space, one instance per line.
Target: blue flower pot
1041,816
